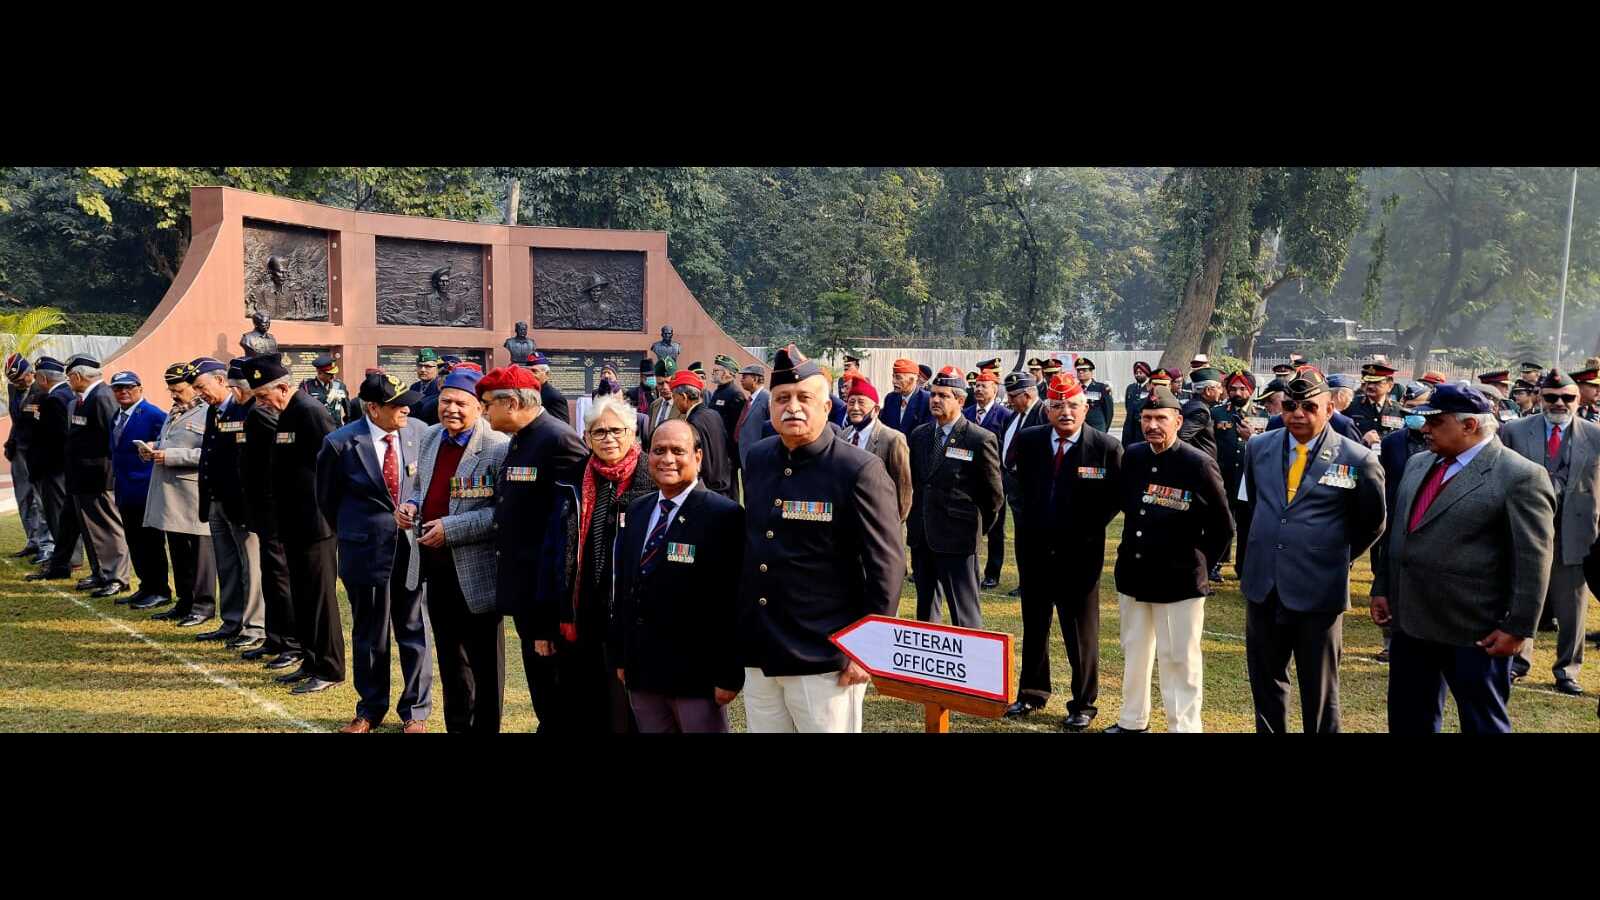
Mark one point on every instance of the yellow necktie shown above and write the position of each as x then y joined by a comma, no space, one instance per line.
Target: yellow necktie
1297,469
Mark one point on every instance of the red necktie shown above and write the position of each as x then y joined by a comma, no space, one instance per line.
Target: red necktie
1061,452
391,469
1430,490
1552,448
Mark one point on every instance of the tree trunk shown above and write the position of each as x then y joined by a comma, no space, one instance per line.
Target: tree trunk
1199,301
1440,308
513,200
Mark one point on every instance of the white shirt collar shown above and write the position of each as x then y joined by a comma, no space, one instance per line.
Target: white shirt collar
677,504
378,434
1466,456
865,434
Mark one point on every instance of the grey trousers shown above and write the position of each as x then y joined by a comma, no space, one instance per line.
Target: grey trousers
238,552
103,538
1565,600
661,714
956,577
375,610
30,506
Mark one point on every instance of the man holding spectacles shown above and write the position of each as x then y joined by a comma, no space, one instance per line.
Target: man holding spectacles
1569,449
1319,504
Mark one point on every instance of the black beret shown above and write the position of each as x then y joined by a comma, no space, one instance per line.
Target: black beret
264,369
1162,398
790,366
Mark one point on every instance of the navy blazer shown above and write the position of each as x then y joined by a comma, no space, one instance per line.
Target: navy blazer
996,421
356,503
1341,423
905,415
133,473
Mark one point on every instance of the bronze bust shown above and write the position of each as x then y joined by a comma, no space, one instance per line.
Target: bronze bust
666,347
520,345
259,342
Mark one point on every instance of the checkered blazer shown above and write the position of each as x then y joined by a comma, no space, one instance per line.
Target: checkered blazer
469,528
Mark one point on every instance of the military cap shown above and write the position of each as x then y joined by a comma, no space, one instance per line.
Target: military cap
1308,382
1498,377
1161,377
729,363
508,378
926,371
16,364
1241,377
1416,390
325,361
950,377
1297,360
264,369
1162,398
1556,379
1200,361
236,368
645,367
537,358
698,368
1016,382
988,375
688,378
126,379
1084,362
1590,375
1063,387
1455,398
1433,378
427,355
1339,380
755,369
972,377
790,366
1283,368
82,359
1205,375
205,365
1376,372
989,364
1275,386
1522,387
860,387
849,357
387,390
1531,367
1051,366
179,373
665,367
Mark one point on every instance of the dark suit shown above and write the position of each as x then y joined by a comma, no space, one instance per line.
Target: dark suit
1102,405
956,497
554,402
545,451
307,536
1197,428
904,415
91,483
47,461
1297,577
147,547
998,417
1061,529
222,508
729,401
1339,422
675,627
261,518
373,558
1134,400
1034,417
716,469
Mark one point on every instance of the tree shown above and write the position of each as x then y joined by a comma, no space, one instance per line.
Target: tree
20,331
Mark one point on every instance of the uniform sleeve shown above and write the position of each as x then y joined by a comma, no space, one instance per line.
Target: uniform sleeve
329,484
882,554
1530,508
730,666
1218,518
1193,423
1109,403
1365,515
1114,483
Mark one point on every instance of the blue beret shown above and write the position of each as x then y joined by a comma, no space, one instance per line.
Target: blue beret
463,380
1455,398
126,379
50,364
206,364
538,359
16,364
451,358
1343,381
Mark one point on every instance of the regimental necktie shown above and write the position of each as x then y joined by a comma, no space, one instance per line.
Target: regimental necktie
122,422
1061,453
861,439
1297,469
652,544
1429,492
391,468
1552,448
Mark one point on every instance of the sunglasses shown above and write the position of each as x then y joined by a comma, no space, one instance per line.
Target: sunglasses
1292,405
1561,398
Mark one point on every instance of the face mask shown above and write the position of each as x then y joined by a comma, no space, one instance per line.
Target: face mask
1414,422
650,382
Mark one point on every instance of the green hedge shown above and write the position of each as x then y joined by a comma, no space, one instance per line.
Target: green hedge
118,324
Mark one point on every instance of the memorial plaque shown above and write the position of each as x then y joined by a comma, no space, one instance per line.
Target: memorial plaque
588,290
429,283
578,372
299,360
285,271
401,362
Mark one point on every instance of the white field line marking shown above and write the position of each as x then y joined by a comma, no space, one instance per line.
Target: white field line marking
222,681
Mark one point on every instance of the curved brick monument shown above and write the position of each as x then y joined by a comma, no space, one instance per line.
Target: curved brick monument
372,288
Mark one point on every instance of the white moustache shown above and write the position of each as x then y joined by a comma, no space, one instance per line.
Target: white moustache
794,417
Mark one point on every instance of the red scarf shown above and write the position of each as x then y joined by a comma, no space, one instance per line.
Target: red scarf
620,474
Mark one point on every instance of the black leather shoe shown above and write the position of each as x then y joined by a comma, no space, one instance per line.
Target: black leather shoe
1014,592
292,677
1118,729
110,589
89,584
193,619
312,685
1518,676
1077,722
1021,708
284,660
221,634
29,550
259,651
134,597
41,559
248,643
46,576
989,583
151,601
1215,574
1568,686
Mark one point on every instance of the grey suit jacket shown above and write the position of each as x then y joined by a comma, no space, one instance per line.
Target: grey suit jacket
1480,557
1303,549
173,503
1579,526
889,445
469,527
757,412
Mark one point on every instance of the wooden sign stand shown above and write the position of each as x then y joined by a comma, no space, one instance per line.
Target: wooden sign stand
937,704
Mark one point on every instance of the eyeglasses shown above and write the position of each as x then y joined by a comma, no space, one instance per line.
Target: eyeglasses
1292,405
607,434
1568,399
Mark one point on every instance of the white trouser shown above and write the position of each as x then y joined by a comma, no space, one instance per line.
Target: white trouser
1169,632
803,703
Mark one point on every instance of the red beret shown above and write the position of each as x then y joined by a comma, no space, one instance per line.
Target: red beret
508,378
470,366
905,367
861,387
1063,387
686,378
1433,378
989,376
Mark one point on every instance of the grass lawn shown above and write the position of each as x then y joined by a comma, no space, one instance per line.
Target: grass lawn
71,663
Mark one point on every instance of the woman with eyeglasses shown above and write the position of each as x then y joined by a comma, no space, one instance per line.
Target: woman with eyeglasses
574,595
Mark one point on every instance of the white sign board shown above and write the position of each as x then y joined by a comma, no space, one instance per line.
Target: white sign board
963,660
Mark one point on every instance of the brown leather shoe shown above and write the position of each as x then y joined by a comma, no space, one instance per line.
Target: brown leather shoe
357,725
415,726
